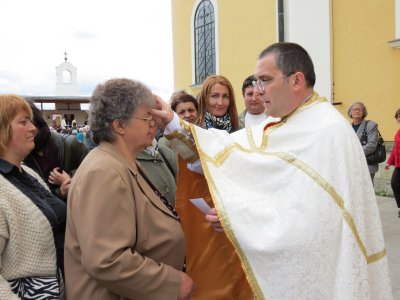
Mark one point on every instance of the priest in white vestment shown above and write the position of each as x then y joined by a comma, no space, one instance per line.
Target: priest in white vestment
294,197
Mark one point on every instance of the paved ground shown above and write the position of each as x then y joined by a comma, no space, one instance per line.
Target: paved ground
391,230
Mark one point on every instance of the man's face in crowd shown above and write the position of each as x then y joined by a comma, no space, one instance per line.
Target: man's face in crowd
252,101
276,94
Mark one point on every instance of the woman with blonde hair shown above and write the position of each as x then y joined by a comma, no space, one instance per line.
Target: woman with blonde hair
32,219
217,108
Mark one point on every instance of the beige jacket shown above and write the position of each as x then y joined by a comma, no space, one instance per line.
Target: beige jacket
121,241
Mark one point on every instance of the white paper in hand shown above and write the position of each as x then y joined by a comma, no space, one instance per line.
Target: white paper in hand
201,204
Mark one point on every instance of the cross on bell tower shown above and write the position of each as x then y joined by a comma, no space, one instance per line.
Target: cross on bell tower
67,84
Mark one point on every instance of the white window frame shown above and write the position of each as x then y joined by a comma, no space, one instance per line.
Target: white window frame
396,42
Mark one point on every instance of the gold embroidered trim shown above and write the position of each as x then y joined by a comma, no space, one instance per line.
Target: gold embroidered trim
311,173
250,138
258,294
185,125
315,98
377,256
336,197
220,158
268,132
182,138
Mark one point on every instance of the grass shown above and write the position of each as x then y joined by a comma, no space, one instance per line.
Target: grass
383,194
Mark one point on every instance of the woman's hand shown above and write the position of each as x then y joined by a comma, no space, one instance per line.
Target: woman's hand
187,287
214,220
162,112
64,188
387,167
58,177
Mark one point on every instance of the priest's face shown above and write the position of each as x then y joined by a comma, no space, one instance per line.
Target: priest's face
273,87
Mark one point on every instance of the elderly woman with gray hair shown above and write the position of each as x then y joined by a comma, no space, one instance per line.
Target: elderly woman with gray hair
123,239
366,130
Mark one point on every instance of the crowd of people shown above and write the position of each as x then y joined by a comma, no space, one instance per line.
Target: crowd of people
191,200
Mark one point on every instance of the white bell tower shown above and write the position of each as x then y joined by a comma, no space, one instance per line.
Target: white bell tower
67,84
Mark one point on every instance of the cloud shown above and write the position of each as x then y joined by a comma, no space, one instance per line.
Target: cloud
85,35
127,38
8,80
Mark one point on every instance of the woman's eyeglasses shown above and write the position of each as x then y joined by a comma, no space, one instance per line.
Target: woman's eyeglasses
148,119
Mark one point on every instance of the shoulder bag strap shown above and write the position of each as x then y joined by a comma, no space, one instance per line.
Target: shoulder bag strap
364,136
365,128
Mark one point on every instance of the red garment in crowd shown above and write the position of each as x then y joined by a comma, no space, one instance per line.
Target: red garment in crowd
394,158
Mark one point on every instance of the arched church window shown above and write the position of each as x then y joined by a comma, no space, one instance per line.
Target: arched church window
66,76
204,41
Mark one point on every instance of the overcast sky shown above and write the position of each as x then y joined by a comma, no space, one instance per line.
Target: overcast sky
103,39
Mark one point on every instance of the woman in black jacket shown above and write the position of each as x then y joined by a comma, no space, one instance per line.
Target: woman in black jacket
55,156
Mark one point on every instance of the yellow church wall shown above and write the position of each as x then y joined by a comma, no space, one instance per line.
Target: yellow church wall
181,33
365,67
245,28
248,28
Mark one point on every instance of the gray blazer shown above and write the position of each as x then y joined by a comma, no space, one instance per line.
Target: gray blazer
241,118
371,130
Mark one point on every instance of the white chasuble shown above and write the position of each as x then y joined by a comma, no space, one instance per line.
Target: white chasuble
297,202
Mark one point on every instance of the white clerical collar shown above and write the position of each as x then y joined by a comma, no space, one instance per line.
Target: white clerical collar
304,101
308,97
